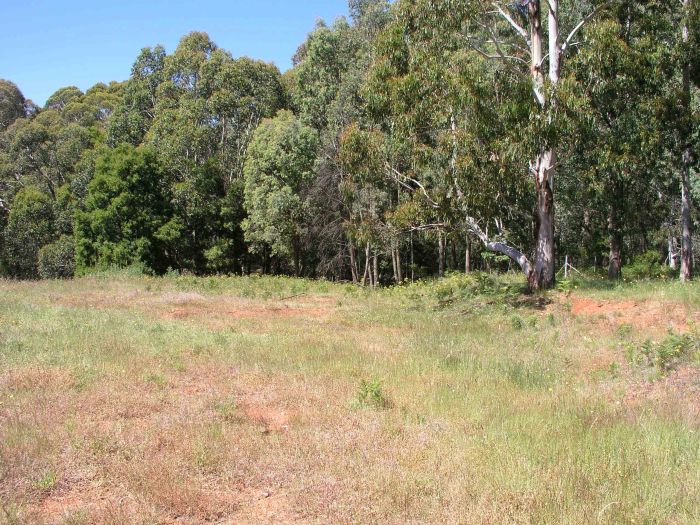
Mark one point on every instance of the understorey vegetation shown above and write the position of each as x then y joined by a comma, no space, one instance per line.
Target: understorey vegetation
130,398
411,139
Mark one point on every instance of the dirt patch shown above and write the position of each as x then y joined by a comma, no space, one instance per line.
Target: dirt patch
245,313
269,418
651,316
265,507
215,312
678,392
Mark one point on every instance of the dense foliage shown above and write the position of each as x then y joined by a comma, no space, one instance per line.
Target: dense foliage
406,141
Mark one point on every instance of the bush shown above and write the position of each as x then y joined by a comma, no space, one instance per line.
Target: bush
30,226
371,395
123,212
57,260
664,356
646,266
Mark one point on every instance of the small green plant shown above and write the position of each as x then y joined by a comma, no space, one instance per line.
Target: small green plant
227,409
47,481
10,514
157,379
614,369
624,330
565,286
371,395
665,355
77,517
517,323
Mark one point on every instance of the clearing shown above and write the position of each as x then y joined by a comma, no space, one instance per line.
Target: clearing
270,400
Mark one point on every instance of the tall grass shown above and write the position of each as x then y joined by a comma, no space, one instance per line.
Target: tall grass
446,402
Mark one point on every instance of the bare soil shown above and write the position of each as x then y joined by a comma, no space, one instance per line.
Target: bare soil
650,316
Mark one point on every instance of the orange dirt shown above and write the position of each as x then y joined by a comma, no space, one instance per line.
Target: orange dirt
265,507
271,419
652,316
216,312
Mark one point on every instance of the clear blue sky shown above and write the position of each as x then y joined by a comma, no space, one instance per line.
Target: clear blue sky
45,45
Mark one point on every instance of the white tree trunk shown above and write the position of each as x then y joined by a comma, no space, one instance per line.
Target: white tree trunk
686,221
543,167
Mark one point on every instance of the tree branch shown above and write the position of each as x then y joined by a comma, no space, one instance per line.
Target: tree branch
499,247
398,176
518,28
499,56
582,23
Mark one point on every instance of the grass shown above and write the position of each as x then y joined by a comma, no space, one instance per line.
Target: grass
127,399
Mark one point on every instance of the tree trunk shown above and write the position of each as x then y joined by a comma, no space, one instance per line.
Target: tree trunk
468,256
297,257
542,274
366,273
615,262
672,262
686,225
453,255
441,255
375,281
399,273
353,263
413,276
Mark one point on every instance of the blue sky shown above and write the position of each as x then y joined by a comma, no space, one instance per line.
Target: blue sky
45,45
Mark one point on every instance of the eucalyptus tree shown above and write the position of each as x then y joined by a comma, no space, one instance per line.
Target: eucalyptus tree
689,64
617,157
325,89
44,151
278,170
133,116
12,103
513,34
201,109
30,226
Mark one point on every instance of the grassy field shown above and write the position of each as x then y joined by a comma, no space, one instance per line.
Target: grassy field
127,399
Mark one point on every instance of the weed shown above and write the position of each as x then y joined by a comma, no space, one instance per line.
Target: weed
46,482
156,378
370,394
614,369
527,375
664,356
227,409
624,330
76,517
516,323
566,286
10,514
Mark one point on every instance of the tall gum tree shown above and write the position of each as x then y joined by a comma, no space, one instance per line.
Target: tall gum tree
690,9
514,34
541,271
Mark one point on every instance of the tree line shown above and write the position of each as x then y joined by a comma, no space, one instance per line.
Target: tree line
411,139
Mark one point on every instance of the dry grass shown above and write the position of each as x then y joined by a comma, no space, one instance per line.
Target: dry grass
233,401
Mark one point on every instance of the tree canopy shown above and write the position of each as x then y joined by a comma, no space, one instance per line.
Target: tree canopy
413,138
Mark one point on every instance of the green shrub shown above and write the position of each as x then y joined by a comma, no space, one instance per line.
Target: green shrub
371,395
646,266
30,226
57,260
665,355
